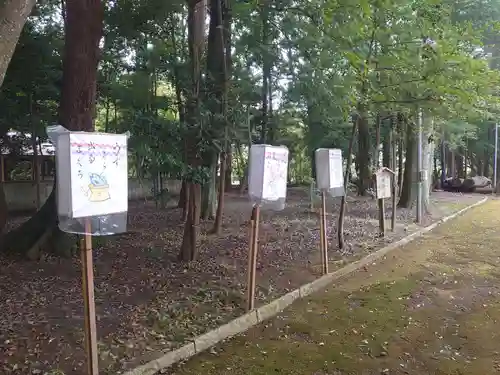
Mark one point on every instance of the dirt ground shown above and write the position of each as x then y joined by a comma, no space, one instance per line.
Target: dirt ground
430,307
148,302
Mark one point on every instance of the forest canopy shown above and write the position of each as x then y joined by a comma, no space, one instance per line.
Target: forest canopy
197,82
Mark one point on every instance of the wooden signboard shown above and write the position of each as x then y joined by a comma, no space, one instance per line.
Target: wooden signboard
383,179
384,185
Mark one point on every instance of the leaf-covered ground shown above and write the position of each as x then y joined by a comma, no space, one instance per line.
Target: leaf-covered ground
148,302
430,307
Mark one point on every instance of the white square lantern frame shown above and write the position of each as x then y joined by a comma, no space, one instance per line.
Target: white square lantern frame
267,184
329,171
268,175
91,181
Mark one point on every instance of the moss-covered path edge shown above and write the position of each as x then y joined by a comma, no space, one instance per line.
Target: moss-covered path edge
430,307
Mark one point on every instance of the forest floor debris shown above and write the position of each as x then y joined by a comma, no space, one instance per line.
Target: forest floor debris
149,302
430,307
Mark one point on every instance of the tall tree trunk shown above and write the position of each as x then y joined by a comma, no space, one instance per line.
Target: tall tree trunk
376,154
36,160
386,150
459,163
443,159
222,83
480,168
76,111
266,71
244,180
78,97
182,196
189,247
401,146
229,169
363,157
450,162
228,20
427,162
196,40
347,174
81,56
13,16
106,118
181,108
409,177
487,156
209,189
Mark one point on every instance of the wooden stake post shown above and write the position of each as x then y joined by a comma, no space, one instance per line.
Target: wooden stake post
252,256
80,199
323,237
383,179
329,175
89,302
267,184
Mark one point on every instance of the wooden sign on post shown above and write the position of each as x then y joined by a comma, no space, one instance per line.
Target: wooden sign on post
383,181
330,177
92,199
267,183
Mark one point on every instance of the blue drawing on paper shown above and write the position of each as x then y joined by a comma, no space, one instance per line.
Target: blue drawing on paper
98,188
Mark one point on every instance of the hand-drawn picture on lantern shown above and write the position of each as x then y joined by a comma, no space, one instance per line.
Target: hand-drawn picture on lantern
92,174
98,188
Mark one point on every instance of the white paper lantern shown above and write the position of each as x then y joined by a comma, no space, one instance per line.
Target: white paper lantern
268,171
329,170
92,174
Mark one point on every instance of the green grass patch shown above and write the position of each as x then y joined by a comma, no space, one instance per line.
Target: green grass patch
431,307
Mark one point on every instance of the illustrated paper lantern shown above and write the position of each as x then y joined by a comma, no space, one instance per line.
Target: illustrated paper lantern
268,171
92,174
329,170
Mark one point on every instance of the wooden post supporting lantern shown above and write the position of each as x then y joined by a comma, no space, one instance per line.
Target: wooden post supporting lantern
384,184
252,256
89,301
267,183
329,175
324,252
92,199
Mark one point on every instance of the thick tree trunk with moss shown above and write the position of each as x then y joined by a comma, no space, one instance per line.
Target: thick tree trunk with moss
13,16
76,111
